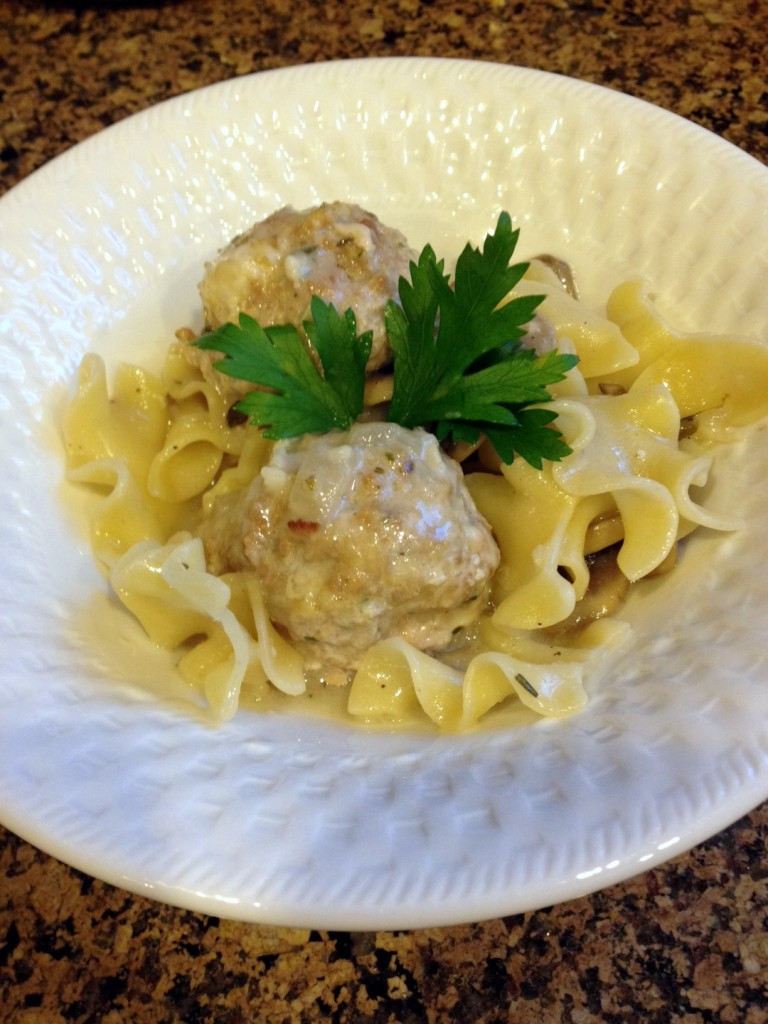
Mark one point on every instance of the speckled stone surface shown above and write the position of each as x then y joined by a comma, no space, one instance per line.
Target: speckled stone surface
686,942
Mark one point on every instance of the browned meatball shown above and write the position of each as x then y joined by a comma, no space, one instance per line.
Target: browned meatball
337,251
358,536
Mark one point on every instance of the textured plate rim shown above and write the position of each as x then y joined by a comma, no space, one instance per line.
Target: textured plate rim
402,915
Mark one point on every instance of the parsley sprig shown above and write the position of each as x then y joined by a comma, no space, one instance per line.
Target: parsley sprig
458,360
294,396
459,368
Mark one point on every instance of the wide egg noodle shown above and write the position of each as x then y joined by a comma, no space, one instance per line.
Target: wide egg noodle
282,664
722,380
395,681
169,591
254,453
530,516
273,660
634,455
540,529
600,343
625,459
198,438
124,515
110,442
548,676
151,450
131,422
178,602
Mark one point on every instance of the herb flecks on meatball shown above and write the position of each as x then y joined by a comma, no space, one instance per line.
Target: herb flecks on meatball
356,537
337,251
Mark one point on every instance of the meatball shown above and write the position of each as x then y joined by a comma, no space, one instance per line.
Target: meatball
337,251
358,536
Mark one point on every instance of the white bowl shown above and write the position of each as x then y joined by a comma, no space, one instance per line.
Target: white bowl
296,820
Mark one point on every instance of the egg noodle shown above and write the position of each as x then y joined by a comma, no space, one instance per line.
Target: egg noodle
158,449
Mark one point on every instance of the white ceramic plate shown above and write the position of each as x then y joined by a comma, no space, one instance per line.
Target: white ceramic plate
293,820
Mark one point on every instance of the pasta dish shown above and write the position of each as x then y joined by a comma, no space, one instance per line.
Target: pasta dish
410,556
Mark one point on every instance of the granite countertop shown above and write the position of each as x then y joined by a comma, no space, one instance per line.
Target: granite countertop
688,941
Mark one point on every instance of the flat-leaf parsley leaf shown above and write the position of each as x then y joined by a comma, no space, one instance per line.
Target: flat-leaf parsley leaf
459,365
459,368
295,396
